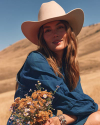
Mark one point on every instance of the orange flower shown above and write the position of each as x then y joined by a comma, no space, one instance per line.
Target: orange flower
34,95
14,104
39,98
43,100
32,109
22,105
50,96
22,100
41,104
50,113
17,99
28,99
35,107
35,103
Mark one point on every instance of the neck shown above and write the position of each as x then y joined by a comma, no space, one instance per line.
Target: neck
59,58
59,55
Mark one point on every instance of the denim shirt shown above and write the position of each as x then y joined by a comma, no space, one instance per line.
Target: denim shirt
75,102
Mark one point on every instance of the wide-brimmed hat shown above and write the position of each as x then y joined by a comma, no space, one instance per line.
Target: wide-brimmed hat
52,11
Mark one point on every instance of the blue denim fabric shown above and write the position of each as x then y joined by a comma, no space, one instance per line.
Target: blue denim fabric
75,103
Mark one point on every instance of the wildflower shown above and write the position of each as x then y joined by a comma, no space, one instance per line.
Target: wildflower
20,124
28,122
27,109
34,109
39,83
43,100
26,114
12,118
50,102
53,97
29,103
30,90
14,104
34,96
41,104
58,86
11,108
47,104
17,120
26,94
50,96
17,99
22,120
21,105
45,96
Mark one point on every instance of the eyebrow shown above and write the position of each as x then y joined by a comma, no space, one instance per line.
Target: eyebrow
49,26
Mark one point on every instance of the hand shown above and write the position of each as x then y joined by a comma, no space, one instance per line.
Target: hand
53,121
48,122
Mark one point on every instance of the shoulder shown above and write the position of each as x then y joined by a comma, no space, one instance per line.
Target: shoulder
35,65
35,57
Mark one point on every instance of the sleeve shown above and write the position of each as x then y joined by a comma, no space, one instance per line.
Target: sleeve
37,68
78,87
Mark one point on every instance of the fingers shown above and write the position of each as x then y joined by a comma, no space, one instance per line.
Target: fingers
49,121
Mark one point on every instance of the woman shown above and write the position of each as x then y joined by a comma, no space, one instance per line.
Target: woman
55,64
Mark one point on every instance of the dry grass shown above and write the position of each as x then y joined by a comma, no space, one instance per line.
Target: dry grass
13,57
6,99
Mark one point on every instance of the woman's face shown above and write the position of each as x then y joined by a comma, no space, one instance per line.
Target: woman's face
55,36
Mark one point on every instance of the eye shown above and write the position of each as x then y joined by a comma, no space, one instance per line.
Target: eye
61,27
47,30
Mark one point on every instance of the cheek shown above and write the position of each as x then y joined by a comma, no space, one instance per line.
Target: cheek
63,34
46,38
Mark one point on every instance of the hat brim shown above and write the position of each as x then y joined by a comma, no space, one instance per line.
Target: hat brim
75,18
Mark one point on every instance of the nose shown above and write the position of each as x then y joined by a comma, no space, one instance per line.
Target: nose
55,33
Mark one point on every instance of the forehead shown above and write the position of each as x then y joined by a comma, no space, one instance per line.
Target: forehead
53,23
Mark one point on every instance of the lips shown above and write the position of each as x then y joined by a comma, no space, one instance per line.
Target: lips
56,42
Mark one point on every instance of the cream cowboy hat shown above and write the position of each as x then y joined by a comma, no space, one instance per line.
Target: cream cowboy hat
52,11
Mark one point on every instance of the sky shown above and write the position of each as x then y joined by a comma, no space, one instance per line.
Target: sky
14,12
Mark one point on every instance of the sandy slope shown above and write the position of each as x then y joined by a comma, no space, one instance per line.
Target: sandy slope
6,99
13,57
91,85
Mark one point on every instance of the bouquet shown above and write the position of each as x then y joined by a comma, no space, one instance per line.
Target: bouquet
32,110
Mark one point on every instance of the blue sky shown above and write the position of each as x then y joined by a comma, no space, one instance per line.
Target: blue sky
14,12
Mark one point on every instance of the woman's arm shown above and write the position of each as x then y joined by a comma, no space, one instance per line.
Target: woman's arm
55,120
37,68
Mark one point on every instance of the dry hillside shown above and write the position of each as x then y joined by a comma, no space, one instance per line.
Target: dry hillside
13,57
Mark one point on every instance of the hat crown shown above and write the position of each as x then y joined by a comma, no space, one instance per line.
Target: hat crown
50,10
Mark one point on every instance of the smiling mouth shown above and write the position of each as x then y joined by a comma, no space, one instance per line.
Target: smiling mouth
56,42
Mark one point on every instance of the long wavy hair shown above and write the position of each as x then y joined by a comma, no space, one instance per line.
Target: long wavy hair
69,60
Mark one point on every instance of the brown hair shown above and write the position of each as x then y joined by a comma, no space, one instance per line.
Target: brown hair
70,63
69,60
